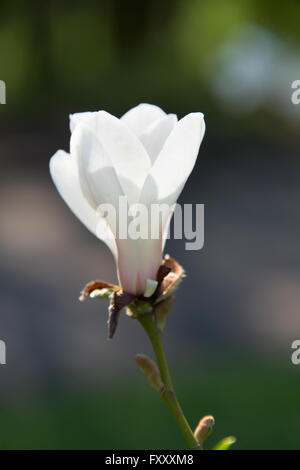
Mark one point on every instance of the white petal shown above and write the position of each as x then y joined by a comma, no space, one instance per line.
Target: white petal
100,184
150,259
98,178
140,117
126,153
155,135
175,162
173,166
64,173
128,264
79,118
138,260
166,226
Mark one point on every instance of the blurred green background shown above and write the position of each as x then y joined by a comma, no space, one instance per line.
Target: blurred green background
237,313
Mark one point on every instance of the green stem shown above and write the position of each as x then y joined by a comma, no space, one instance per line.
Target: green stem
168,393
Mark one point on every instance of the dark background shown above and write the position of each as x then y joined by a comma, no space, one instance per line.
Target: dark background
237,312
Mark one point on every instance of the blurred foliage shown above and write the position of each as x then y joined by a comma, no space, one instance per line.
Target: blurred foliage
257,403
113,54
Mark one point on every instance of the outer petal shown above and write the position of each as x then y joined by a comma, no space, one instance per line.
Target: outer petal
140,117
175,161
129,265
100,185
63,169
125,152
150,258
98,178
81,118
155,135
138,260
172,167
64,173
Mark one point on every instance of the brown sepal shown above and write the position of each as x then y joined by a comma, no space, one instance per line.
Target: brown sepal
93,285
169,273
119,300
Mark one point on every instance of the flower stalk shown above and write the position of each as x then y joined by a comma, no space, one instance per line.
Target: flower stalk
167,391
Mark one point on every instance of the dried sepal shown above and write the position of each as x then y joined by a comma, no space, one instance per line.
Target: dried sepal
154,299
169,276
101,293
97,289
119,300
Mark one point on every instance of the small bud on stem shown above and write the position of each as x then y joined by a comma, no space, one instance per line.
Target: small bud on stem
151,371
204,428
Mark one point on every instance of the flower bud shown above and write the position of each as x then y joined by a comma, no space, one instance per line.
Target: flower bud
111,162
151,371
204,428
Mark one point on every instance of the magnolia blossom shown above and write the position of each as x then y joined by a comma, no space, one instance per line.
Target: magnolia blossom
145,156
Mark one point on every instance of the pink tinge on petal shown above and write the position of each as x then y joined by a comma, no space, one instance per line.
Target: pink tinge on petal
127,264
150,259
137,261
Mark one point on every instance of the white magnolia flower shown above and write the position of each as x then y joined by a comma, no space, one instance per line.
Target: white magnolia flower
147,156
